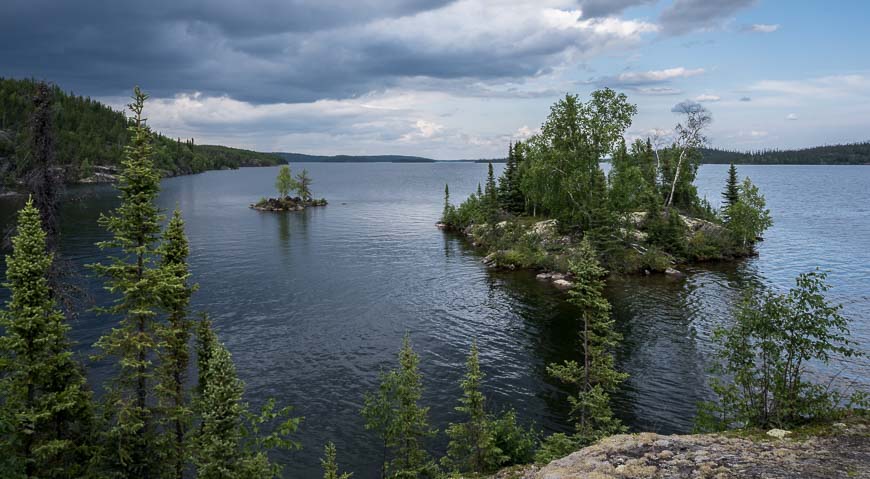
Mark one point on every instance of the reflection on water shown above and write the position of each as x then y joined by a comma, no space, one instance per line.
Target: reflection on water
314,304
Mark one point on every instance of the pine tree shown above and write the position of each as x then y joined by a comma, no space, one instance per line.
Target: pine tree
229,443
731,194
174,344
133,274
411,427
445,213
596,378
46,405
303,185
330,467
402,423
472,444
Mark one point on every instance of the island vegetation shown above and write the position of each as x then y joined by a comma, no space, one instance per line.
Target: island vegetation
285,183
645,215
89,138
174,406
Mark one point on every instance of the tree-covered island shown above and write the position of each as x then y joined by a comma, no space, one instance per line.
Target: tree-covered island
645,215
285,184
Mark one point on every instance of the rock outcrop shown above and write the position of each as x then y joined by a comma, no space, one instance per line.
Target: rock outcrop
286,204
843,452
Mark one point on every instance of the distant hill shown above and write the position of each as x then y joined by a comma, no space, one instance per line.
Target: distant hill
89,133
302,158
848,154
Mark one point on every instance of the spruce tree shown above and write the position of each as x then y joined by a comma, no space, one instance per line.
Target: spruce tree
133,275
303,185
330,466
230,443
402,423
445,213
46,406
174,344
596,378
472,443
731,194
411,422
41,175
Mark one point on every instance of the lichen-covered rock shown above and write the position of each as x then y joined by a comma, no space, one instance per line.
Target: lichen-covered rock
846,453
286,204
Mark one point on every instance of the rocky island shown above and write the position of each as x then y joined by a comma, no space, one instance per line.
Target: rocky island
284,184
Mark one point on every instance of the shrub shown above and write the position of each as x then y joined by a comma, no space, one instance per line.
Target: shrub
517,444
556,446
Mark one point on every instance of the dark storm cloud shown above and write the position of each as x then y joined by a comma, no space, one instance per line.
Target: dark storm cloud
268,51
103,47
684,16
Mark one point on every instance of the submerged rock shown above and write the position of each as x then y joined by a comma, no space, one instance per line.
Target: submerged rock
563,284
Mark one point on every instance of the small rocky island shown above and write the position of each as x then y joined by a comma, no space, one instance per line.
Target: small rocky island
287,203
284,184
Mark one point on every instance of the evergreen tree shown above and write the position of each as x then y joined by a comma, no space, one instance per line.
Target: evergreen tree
174,344
472,445
230,443
330,467
596,378
402,423
133,274
303,185
378,413
46,406
731,194
748,218
285,183
411,423
509,195
445,213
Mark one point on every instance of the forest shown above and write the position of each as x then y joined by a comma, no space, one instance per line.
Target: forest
847,154
88,133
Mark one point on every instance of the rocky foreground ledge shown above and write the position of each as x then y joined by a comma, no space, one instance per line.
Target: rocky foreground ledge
286,204
839,451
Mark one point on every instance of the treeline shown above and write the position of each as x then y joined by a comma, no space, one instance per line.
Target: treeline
88,133
847,154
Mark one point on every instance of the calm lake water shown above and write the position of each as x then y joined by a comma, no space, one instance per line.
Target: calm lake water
314,304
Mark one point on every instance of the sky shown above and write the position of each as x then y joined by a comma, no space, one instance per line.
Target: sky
451,79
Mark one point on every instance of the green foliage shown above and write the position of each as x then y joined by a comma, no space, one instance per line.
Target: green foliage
731,194
628,179
285,183
89,133
510,197
516,443
596,377
447,213
472,445
400,421
330,467
667,231
763,357
748,218
230,443
556,446
303,185
174,337
562,175
46,407
139,282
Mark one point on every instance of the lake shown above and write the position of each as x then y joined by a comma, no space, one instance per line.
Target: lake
313,305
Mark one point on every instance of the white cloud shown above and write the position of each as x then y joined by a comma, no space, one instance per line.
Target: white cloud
707,98
659,90
524,132
762,27
791,116
821,87
654,76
